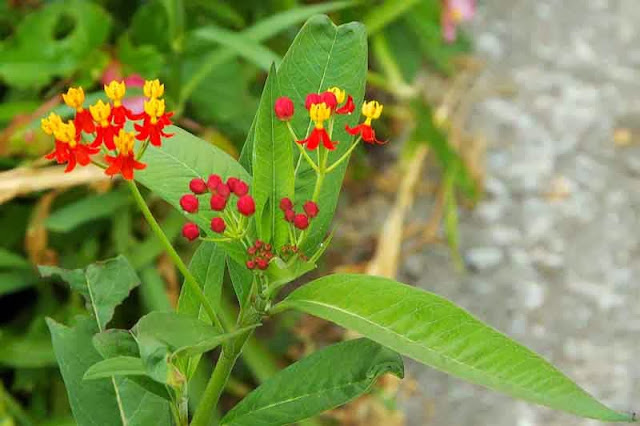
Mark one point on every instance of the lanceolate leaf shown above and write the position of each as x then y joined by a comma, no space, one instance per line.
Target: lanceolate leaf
180,159
272,166
117,366
433,330
323,380
241,280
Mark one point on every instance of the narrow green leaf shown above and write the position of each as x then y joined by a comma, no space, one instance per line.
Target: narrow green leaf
12,260
322,56
183,334
108,284
117,366
273,176
433,330
14,281
382,15
249,49
180,159
31,350
322,381
241,280
86,210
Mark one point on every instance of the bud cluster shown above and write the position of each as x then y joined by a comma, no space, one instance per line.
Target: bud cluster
299,220
260,254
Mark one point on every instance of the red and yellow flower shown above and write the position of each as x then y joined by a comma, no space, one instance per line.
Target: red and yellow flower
68,148
372,111
125,162
153,89
340,95
155,119
105,130
319,112
74,98
115,91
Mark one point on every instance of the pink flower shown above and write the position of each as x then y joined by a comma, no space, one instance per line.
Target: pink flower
453,13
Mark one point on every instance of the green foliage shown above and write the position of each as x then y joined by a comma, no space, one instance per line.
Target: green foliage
87,210
433,330
324,380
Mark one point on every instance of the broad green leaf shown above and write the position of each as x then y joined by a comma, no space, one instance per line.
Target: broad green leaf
117,366
92,402
267,27
33,56
322,381
181,158
249,49
181,333
432,330
273,176
322,56
86,210
241,280
74,277
11,260
108,284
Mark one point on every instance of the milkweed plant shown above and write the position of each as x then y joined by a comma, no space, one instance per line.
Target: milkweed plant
266,220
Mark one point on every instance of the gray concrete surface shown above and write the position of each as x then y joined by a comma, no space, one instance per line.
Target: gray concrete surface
561,275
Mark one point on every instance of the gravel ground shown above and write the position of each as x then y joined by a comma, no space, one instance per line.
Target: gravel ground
552,250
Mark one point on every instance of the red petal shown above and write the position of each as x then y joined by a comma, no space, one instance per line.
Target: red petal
354,130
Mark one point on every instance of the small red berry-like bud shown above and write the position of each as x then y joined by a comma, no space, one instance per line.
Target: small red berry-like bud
301,221
312,98
218,225
223,190
189,203
214,181
268,255
262,263
286,204
311,209
231,183
241,188
289,215
251,251
251,264
218,202
258,244
198,186
329,99
190,231
246,205
284,108
267,247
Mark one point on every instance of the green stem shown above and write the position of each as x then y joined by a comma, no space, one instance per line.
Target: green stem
344,156
318,187
219,379
189,278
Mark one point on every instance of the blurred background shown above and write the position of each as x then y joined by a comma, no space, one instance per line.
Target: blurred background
509,184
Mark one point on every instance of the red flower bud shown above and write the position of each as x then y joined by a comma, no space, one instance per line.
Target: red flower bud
289,215
267,247
301,221
311,209
241,188
218,225
258,244
214,181
231,183
198,186
329,99
251,264
286,204
189,203
190,231
218,202
251,251
223,190
284,108
246,205
262,263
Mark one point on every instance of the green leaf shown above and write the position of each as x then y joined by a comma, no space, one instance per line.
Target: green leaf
432,330
322,381
241,280
32,350
183,334
321,56
273,175
86,210
74,277
14,281
382,15
249,49
12,260
117,366
108,284
33,56
180,159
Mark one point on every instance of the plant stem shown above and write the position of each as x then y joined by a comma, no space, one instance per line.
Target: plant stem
219,379
344,156
189,278
318,187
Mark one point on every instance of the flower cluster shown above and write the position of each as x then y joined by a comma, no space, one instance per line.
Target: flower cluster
101,127
228,223
299,220
259,255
